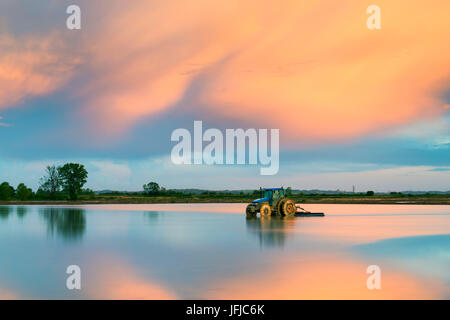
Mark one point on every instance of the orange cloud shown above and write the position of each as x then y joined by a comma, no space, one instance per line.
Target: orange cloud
326,76
322,278
32,66
120,281
312,69
146,56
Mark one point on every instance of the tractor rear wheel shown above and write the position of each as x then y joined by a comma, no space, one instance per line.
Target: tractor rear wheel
265,211
280,207
289,208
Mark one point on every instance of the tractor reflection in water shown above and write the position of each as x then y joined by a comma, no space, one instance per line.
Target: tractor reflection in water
271,231
276,214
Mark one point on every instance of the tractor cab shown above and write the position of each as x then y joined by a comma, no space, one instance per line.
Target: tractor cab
274,194
270,195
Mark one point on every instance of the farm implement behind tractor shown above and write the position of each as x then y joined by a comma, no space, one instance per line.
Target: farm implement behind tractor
273,201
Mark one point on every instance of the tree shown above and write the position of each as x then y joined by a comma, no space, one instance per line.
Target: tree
88,193
51,182
151,188
73,176
289,191
23,193
370,193
6,191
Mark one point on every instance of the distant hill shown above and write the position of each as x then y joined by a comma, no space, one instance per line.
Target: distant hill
248,191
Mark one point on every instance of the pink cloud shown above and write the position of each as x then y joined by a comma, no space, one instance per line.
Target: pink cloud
32,66
312,69
315,279
121,281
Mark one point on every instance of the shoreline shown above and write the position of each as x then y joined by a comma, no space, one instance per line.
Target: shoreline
219,201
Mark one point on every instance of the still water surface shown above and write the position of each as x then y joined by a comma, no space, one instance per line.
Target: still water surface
211,251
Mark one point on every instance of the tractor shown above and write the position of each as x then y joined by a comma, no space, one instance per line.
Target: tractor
273,201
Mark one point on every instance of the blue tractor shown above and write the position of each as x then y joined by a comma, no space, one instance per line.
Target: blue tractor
273,201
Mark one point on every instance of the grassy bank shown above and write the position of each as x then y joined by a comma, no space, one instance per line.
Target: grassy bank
246,198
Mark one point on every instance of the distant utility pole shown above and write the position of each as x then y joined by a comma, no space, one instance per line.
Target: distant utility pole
353,189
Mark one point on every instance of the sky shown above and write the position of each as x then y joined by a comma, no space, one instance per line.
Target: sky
355,107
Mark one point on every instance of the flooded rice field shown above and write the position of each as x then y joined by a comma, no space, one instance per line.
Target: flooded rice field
212,251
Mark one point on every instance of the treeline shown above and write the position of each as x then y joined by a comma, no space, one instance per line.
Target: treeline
67,182
7,192
58,183
154,189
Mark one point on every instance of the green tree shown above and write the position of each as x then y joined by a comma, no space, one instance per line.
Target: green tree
6,191
51,182
370,193
151,188
88,193
23,193
289,191
73,176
